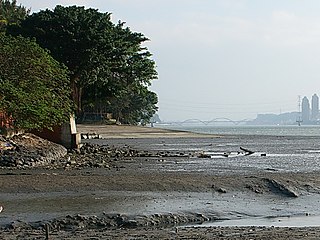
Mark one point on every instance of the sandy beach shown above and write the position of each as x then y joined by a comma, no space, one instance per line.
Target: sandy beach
170,192
123,131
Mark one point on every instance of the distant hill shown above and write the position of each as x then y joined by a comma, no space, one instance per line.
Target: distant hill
289,118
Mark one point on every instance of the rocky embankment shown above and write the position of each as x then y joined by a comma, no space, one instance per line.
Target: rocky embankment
29,151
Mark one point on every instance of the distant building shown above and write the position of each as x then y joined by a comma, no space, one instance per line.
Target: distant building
314,107
305,110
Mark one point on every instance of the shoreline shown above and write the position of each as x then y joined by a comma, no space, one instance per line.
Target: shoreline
127,131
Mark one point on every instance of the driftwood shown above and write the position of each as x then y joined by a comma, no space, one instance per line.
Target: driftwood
243,152
247,152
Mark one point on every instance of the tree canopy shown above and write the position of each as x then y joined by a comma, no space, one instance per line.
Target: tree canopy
34,88
108,64
11,13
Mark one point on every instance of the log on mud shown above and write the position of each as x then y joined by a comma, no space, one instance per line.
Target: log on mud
247,151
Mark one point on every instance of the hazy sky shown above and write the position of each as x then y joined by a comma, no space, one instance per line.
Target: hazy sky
223,58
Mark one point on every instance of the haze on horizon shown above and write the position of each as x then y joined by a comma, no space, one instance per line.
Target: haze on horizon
223,58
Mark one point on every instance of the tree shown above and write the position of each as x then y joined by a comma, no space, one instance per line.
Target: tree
11,13
142,106
75,36
34,88
104,59
134,105
132,71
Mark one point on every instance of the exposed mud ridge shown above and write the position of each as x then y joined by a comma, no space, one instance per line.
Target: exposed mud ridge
287,187
112,221
281,188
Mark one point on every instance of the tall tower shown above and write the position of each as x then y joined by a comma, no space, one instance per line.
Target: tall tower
314,107
299,119
305,110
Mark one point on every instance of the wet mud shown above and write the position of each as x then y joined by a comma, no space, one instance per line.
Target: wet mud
169,189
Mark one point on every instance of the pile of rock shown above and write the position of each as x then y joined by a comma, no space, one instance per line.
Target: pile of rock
96,156
28,150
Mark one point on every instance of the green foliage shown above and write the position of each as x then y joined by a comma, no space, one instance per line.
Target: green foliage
134,105
34,88
107,62
75,36
11,13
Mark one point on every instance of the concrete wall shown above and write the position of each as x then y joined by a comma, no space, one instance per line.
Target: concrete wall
66,134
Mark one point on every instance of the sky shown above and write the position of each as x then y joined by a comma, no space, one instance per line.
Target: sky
222,58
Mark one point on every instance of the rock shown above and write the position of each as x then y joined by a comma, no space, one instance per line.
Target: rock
203,155
219,189
18,225
90,136
30,151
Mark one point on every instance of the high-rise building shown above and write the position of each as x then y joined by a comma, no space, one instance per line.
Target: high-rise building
305,110
314,107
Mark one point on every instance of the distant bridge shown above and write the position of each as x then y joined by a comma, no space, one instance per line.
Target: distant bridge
203,122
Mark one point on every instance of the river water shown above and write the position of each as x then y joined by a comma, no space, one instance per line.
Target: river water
286,149
281,130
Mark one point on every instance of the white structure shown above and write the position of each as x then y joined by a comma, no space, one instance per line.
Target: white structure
305,110
314,107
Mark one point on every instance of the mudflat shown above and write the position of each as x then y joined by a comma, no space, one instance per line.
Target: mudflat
172,189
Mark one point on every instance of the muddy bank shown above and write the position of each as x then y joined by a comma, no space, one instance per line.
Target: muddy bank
122,188
222,233
126,199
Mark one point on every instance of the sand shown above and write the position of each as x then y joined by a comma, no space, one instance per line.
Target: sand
125,131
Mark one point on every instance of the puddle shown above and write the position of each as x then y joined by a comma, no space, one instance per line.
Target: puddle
243,209
292,221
